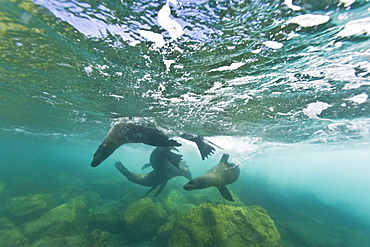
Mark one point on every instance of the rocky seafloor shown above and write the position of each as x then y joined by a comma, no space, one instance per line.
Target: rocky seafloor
114,212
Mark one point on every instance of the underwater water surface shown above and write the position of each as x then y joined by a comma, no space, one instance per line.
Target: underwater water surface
281,86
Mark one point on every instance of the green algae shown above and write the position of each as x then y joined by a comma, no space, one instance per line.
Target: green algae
12,238
177,203
106,222
66,219
49,241
5,223
143,218
212,195
224,225
26,205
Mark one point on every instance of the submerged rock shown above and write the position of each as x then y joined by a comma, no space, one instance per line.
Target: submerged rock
143,218
73,193
12,238
212,195
177,203
106,222
222,225
5,223
48,241
66,219
99,238
27,205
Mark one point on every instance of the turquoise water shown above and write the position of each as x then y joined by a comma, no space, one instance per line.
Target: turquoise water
283,87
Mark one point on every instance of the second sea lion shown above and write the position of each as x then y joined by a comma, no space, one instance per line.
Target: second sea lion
218,176
163,169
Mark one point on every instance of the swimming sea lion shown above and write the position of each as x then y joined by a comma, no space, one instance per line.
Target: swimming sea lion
130,132
163,171
154,178
220,175
162,157
140,132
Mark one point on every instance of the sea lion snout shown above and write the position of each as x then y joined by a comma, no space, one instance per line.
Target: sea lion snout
195,184
101,154
189,186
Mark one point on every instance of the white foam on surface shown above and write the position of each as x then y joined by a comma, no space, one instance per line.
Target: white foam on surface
157,38
309,20
356,27
232,66
273,44
170,25
289,4
313,110
359,99
347,3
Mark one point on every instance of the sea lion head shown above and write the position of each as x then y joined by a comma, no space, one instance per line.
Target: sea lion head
103,152
114,139
185,171
196,183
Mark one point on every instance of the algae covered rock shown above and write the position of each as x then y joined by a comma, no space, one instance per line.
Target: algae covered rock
5,223
12,238
26,205
177,203
212,195
73,193
106,222
48,241
99,238
224,225
143,218
65,219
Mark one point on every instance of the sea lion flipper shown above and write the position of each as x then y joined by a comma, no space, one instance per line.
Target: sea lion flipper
121,168
175,159
226,193
146,166
155,186
203,145
163,184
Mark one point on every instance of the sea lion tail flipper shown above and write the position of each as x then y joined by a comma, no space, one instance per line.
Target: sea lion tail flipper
174,159
226,193
153,188
122,169
146,166
163,184
204,145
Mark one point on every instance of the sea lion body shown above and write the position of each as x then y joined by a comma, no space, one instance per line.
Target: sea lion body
144,132
163,171
149,179
130,132
163,157
218,176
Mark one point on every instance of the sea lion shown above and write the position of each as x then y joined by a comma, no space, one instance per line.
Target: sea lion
163,171
141,132
163,157
130,132
220,175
